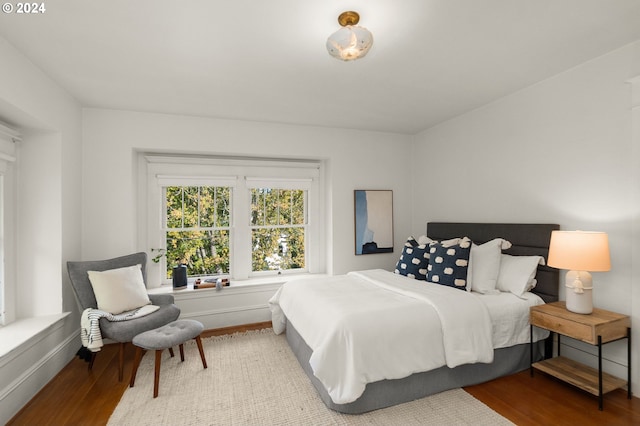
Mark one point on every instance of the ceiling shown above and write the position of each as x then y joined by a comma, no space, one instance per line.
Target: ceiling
266,60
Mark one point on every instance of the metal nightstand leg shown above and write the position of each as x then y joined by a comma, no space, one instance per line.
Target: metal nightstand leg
531,350
628,363
599,372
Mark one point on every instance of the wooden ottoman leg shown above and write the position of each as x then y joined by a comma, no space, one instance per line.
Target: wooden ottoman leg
171,352
181,352
136,364
156,379
201,350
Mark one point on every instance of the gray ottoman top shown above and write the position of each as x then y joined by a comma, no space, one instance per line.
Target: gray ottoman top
173,334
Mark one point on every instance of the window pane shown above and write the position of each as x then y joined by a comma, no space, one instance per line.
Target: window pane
277,249
223,206
297,207
207,206
174,207
190,206
204,252
284,207
271,206
257,207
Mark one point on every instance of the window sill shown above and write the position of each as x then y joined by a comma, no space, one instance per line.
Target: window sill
19,332
252,284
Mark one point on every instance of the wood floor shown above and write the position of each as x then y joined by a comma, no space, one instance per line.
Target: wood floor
77,396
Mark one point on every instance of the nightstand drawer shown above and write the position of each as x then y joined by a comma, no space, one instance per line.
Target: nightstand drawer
554,317
563,326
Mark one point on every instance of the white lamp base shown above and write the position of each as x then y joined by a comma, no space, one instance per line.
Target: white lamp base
579,292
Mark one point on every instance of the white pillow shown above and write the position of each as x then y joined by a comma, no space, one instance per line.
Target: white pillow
119,290
484,265
517,273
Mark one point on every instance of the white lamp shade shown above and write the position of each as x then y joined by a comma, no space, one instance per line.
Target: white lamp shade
579,251
349,43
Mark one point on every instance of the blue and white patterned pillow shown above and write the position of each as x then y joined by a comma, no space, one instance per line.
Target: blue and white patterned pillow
413,260
449,263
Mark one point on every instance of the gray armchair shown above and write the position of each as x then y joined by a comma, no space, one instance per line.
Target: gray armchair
120,331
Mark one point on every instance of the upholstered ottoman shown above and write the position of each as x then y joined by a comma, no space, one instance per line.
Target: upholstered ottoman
165,337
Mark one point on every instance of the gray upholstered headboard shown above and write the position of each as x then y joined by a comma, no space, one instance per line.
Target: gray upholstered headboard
527,239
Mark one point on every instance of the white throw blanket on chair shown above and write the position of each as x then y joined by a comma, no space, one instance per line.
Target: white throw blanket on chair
90,323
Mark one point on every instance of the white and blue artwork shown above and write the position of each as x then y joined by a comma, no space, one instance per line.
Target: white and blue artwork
374,221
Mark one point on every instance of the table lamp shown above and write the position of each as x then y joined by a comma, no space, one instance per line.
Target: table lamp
579,252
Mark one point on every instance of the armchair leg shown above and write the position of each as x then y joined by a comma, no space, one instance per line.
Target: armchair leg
121,362
92,359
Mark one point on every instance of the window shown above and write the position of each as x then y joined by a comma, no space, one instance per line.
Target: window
8,154
233,217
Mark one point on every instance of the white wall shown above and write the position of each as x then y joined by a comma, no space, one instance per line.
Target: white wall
355,159
48,231
559,151
39,224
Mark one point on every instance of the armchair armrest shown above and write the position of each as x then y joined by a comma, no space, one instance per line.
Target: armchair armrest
161,299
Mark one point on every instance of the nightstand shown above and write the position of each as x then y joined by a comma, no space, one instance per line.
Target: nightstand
596,329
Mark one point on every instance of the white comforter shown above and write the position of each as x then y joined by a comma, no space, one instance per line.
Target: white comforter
378,325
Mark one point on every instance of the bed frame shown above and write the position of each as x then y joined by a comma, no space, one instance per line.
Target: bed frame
527,239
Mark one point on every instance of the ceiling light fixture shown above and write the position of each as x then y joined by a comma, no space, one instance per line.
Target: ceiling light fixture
351,41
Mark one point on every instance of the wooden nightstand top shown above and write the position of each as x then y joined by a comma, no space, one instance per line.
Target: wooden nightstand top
555,317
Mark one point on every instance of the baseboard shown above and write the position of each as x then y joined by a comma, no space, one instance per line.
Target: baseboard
214,319
34,375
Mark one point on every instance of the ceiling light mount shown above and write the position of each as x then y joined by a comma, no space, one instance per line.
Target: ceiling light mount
348,18
351,41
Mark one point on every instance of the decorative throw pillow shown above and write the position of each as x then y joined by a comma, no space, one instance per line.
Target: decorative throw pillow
484,265
413,260
423,239
119,290
448,264
517,273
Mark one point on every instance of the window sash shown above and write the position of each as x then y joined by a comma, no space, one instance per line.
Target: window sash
199,225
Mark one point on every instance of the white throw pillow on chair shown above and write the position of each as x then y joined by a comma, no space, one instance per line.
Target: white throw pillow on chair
119,290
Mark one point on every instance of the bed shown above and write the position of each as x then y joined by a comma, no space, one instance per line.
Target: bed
369,356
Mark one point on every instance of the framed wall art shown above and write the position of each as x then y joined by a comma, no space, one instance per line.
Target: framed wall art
374,221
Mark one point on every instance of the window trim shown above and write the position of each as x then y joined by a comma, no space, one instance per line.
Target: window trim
9,152
157,169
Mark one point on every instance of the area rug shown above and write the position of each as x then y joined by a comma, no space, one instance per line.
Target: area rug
254,379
